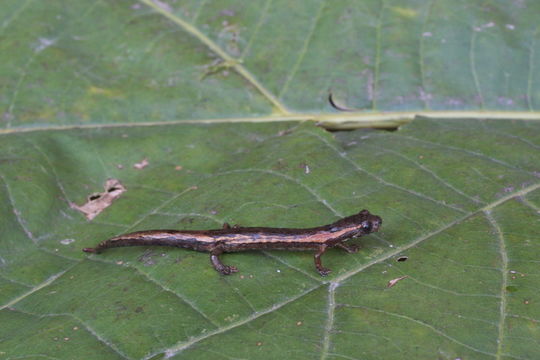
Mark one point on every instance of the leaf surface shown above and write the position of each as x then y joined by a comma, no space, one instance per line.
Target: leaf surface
469,236
198,109
117,62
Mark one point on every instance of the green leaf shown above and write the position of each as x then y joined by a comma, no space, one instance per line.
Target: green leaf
459,199
117,62
198,109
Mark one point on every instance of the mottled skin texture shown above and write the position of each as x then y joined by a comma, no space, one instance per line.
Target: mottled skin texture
236,238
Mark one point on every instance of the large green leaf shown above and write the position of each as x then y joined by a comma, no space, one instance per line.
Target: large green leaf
212,95
460,199
104,62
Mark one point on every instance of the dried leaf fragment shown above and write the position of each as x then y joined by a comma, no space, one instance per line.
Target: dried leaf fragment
100,201
394,281
141,165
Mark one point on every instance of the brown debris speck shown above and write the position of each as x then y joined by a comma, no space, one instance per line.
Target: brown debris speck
395,281
142,164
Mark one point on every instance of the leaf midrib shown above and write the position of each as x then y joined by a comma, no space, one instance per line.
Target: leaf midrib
330,121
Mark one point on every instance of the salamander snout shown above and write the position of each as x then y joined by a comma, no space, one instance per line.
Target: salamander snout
376,223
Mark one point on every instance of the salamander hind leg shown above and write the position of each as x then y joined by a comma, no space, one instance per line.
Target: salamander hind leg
321,269
218,265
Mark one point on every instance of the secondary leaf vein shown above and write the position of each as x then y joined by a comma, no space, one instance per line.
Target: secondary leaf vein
235,63
504,283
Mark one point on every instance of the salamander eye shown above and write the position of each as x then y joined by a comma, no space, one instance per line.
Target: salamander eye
366,226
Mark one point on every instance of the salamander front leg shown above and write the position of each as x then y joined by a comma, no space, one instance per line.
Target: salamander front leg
353,248
218,265
322,270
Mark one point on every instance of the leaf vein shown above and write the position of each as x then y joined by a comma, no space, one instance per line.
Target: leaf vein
421,323
38,287
303,51
504,283
179,347
104,341
417,241
531,70
289,178
328,327
257,28
529,204
433,174
235,63
472,63
178,295
470,152
380,179
156,209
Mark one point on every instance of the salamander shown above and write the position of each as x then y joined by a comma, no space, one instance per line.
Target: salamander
236,238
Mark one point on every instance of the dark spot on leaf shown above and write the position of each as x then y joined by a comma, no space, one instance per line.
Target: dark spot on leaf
120,306
187,221
147,258
139,309
280,165
94,197
402,258
511,288
227,12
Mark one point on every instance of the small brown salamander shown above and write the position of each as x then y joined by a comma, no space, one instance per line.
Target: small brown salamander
236,238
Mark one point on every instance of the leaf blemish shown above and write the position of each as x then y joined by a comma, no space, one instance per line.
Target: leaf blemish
402,258
142,164
98,202
147,258
306,168
395,281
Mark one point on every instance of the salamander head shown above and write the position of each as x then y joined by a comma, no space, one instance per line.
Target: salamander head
359,224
